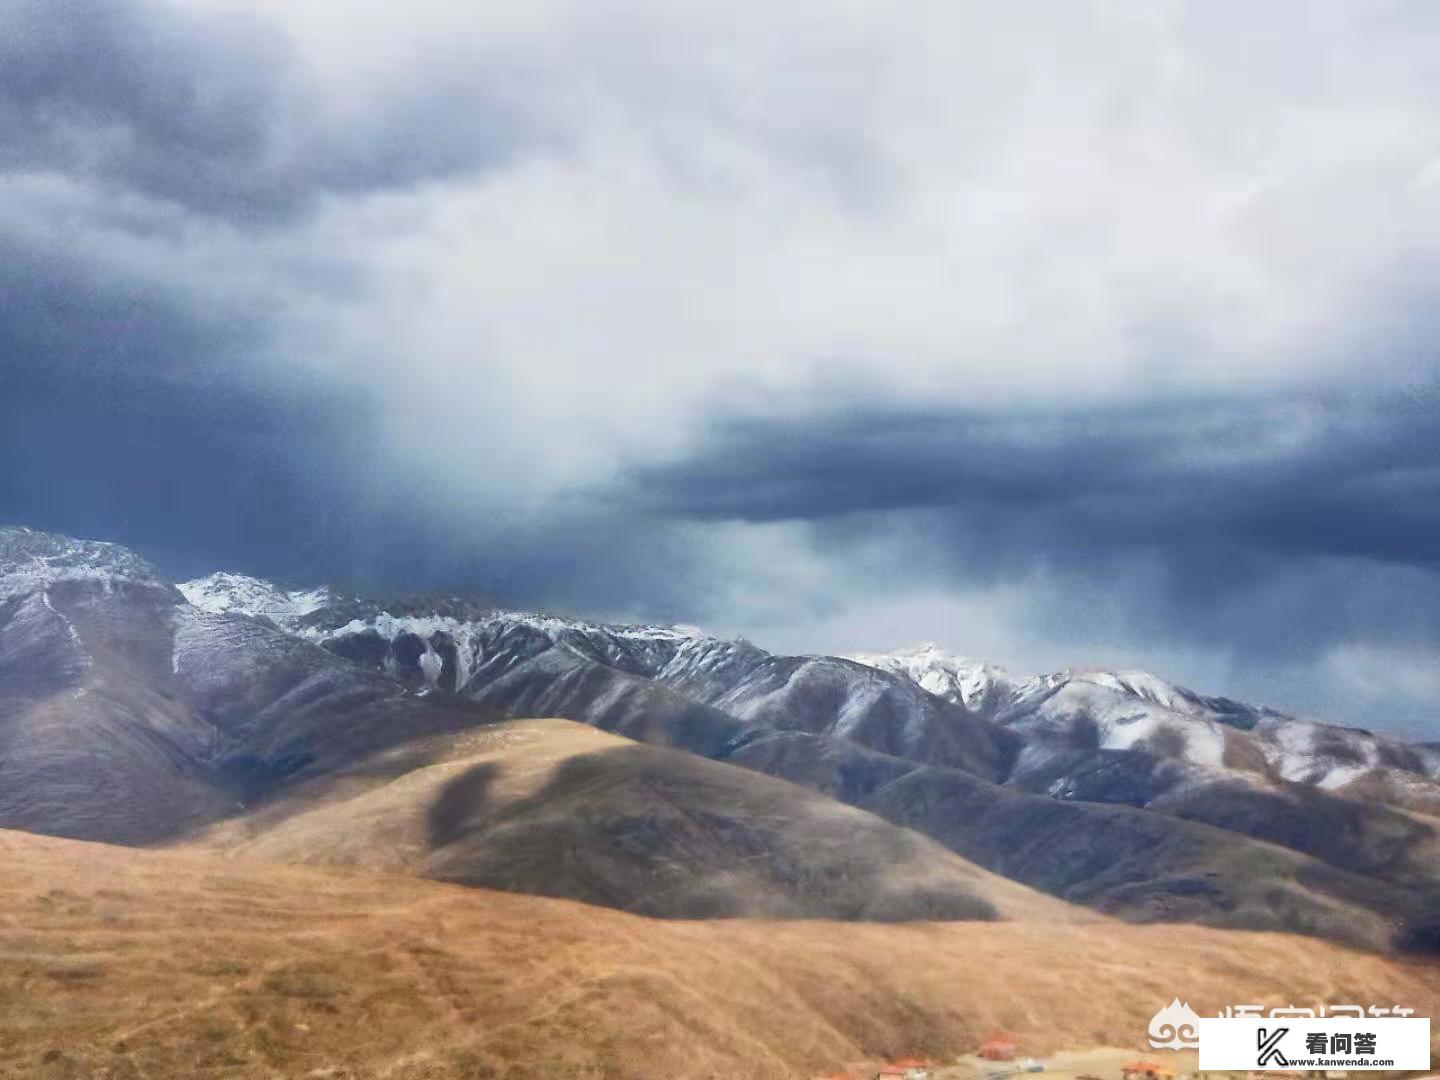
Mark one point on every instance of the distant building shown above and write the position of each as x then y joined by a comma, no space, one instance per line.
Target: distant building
999,1047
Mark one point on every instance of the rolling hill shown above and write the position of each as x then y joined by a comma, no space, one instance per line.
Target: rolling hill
556,808
1113,789
339,729
124,963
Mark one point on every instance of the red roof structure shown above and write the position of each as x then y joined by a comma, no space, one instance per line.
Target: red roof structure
1000,1046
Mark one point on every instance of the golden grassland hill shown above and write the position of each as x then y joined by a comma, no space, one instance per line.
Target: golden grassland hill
558,808
117,963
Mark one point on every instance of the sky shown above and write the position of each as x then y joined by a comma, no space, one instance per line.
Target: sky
1057,333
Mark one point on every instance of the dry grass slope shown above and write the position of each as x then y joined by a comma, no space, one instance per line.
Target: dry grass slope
557,808
133,964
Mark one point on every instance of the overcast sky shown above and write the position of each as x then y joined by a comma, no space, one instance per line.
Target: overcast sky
1056,333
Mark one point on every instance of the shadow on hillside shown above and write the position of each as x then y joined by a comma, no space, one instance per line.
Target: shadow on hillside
657,833
464,800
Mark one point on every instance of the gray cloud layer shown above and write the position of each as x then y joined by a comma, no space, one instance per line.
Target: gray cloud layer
214,114
1343,475
1332,501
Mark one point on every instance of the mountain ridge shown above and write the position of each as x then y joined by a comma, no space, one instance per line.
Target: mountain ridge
665,653
1115,790
1087,739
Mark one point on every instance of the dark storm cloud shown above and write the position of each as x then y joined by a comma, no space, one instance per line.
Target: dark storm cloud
148,156
1282,525
132,412
287,482
128,412
66,315
1314,476
212,113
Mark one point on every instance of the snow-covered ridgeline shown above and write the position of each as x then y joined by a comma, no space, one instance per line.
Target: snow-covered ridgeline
1128,709
961,679
31,561
1132,708
223,593
469,636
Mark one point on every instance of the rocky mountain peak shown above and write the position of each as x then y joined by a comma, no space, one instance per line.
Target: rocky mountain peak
32,560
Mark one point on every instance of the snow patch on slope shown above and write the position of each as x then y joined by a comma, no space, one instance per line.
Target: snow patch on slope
981,687
1137,710
1126,720
1128,709
32,560
222,593
227,593
1319,754
69,626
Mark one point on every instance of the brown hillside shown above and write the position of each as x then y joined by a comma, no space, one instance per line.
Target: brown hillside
122,963
557,808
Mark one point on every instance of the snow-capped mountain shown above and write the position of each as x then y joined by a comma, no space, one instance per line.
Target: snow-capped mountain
982,687
509,658
220,593
128,714
1081,733
1092,709
132,710
31,560
442,643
